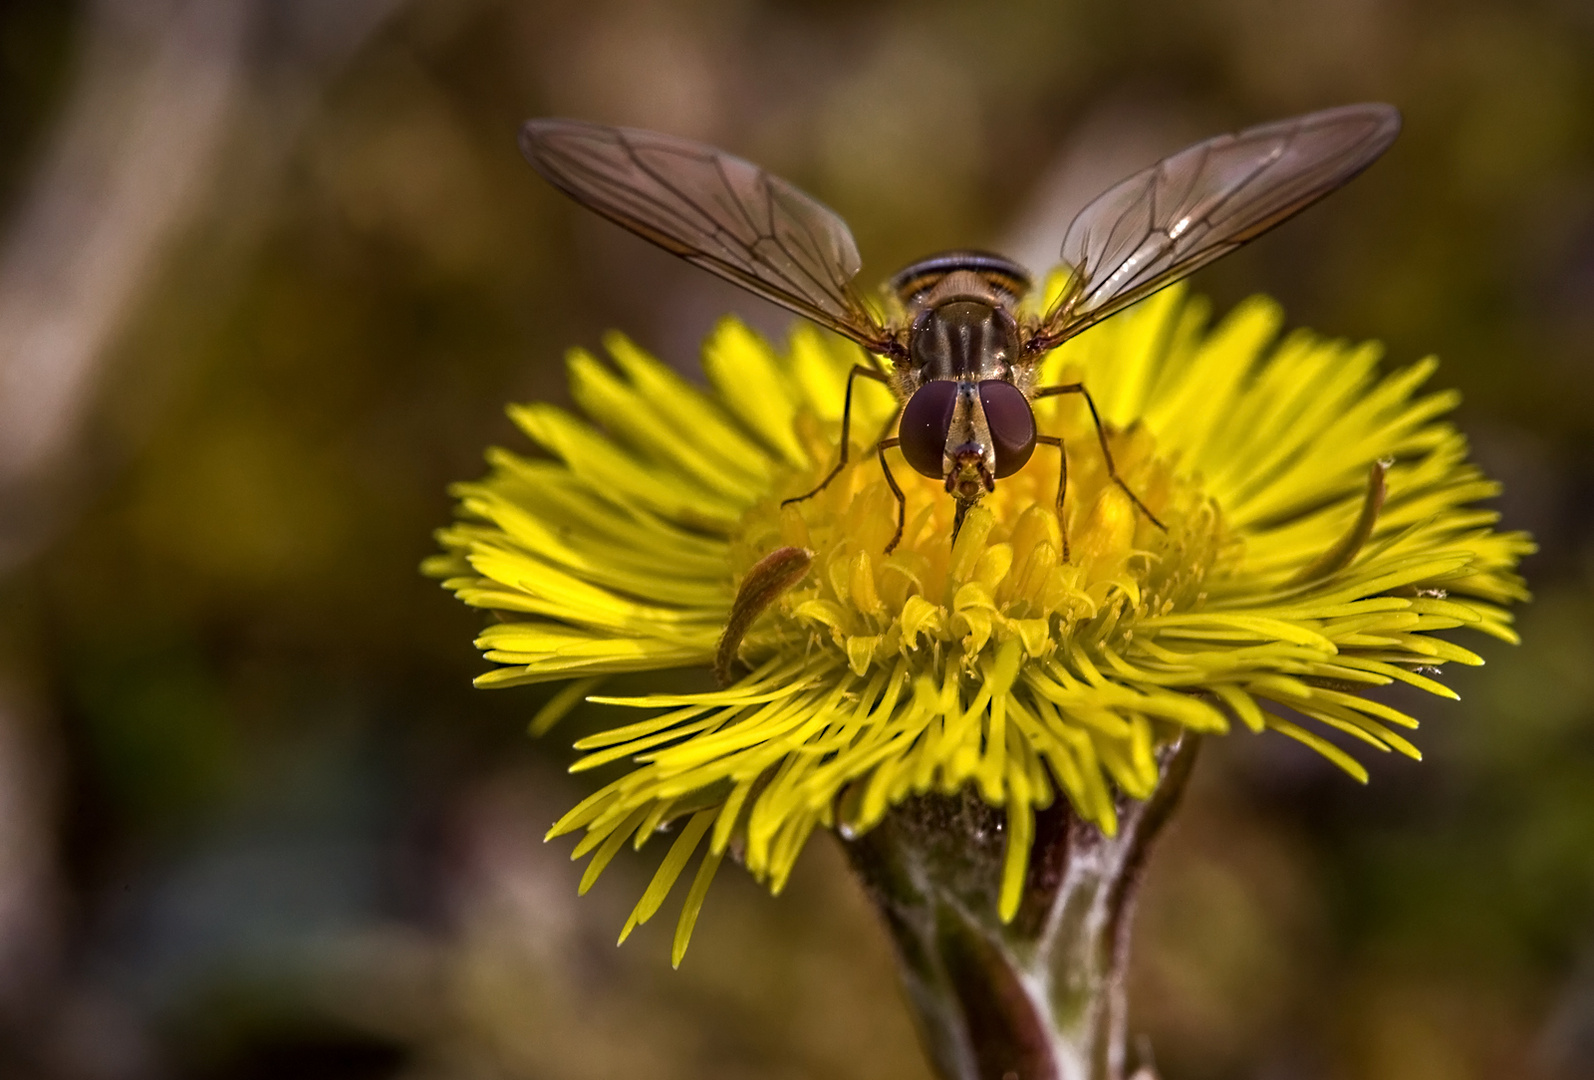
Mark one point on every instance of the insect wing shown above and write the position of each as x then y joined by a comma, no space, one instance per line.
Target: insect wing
1170,220
714,210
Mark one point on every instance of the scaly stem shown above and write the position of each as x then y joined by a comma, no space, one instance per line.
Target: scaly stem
1040,997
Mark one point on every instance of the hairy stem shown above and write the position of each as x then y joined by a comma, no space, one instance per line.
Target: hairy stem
1040,997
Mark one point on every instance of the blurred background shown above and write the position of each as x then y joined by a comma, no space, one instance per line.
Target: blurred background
269,272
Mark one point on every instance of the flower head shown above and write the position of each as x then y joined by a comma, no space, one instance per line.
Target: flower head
1319,527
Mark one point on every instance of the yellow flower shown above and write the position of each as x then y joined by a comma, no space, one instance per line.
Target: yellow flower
1285,587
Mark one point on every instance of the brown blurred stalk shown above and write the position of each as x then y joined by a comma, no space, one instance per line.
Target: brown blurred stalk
1040,997
136,160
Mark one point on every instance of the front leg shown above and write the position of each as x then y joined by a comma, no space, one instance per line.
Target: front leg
891,481
1062,484
1106,452
846,431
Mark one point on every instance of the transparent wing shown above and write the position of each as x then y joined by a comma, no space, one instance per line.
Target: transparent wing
714,210
1162,224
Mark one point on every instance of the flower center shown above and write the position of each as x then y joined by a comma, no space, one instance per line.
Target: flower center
1005,577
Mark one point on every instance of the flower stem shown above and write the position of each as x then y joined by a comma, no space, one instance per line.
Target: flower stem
1040,997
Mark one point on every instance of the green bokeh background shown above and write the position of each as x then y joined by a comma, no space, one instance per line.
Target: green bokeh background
254,820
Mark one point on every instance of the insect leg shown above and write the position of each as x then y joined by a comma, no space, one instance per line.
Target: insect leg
1062,483
846,430
902,503
1101,435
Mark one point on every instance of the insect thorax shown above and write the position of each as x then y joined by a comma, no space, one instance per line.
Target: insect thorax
960,306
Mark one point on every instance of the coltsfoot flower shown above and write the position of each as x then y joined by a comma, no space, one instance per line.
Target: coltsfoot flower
1321,526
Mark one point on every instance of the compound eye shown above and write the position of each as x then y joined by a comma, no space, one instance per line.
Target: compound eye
925,422
1011,423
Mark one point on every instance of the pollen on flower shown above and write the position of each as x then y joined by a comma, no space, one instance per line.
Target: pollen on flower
1281,592
933,602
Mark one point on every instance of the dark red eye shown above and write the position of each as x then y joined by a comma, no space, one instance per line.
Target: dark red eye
924,425
1012,425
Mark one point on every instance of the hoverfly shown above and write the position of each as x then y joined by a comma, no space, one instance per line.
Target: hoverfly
959,357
